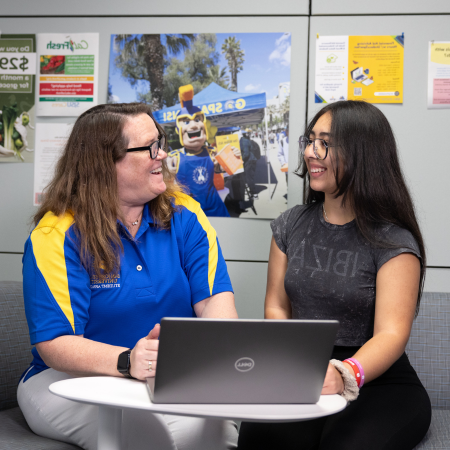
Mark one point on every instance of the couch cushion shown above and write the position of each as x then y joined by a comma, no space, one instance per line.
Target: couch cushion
438,436
429,350
15,434
15,348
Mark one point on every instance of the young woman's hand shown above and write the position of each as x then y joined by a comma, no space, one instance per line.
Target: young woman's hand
145,351
333,384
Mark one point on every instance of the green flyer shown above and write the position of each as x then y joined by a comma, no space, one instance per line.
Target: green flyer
17,96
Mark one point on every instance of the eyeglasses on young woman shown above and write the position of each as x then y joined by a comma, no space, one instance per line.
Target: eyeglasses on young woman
320,146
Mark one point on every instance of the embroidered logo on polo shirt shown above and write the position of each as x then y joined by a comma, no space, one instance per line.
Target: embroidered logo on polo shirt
105,281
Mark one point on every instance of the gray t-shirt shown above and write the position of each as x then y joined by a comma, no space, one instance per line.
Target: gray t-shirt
332,270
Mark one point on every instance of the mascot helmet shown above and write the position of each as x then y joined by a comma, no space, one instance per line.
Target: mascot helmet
188,110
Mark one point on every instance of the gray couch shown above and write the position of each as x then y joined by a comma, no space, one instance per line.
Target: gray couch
15,357
428,350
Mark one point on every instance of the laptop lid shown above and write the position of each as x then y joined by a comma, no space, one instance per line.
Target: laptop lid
220,361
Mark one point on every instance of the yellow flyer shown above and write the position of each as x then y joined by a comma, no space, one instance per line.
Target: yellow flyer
375,68
232,139
368,68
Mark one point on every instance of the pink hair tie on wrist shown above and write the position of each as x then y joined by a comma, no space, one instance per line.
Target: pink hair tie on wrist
361,370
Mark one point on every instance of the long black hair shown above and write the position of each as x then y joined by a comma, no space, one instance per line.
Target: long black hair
368,174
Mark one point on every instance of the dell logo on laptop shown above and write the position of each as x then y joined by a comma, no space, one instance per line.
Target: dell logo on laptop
244,364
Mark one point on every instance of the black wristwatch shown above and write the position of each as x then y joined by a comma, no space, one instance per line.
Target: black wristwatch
123,363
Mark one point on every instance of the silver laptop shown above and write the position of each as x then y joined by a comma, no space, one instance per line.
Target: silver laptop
215,361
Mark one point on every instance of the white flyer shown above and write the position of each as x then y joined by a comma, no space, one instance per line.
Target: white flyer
67,73
439,75
50,141
331,68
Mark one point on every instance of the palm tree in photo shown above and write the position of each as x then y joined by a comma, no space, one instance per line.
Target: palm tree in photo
143,57
284,109
219,76
272,110
231,48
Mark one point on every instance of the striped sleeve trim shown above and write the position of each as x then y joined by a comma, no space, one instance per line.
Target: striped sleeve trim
48,248
193,206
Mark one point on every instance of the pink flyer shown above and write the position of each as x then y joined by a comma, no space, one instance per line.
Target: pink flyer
441,91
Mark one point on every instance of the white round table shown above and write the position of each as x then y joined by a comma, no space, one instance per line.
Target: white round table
113,394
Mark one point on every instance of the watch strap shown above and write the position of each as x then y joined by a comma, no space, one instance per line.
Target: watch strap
123,363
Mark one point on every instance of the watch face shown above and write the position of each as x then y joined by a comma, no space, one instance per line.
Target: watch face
122,362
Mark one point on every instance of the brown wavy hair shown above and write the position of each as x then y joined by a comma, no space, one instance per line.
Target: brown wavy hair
85,184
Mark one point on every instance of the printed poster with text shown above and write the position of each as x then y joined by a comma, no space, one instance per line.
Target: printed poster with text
68,73
50,141
439,75
17,72
368,68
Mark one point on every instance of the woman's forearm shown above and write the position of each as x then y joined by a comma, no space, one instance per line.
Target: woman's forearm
379,353
78,356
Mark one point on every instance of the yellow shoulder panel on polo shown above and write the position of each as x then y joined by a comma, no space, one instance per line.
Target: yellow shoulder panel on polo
48,248
192,205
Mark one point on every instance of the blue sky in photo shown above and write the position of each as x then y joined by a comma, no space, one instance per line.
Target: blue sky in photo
267,64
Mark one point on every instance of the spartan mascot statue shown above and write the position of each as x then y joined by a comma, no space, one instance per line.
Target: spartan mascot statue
195,163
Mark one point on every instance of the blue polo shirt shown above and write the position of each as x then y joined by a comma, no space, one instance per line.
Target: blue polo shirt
163,273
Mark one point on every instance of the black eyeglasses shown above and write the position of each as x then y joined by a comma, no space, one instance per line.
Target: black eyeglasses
320,146
153,148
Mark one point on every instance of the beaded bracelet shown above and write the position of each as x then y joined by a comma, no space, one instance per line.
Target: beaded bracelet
357,368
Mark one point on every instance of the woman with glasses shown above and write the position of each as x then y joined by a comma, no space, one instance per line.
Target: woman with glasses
116,246
354,253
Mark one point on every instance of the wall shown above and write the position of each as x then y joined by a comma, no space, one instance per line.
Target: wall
424,162
133,8
424,148
368,7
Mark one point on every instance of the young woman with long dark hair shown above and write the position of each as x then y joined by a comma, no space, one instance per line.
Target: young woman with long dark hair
354,252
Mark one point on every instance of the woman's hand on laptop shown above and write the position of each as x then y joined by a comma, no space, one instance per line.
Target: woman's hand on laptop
145,354
333,384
